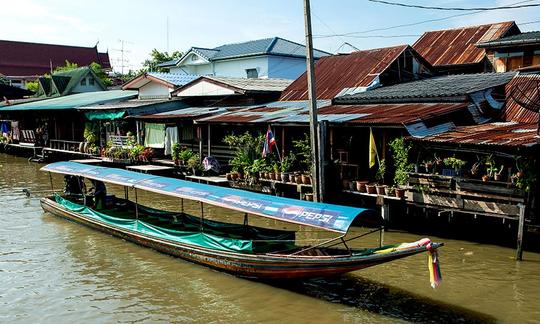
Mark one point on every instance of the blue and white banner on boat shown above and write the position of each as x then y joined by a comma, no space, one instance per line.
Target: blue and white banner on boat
326,216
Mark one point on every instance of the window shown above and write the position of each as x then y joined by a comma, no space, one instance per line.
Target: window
91,81
252,73
194,57
83,82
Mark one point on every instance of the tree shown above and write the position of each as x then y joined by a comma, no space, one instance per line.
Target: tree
157,57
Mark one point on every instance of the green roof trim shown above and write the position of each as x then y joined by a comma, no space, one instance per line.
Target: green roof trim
73,101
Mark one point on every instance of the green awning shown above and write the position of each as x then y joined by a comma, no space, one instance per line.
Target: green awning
105,115
73,101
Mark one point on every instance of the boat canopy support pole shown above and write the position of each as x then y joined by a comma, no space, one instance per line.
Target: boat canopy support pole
182,205
126,195
136,205
50,179
202,216
246,219
320,244
381,236
356,237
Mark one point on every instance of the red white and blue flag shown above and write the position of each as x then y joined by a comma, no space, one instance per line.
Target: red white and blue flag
269,142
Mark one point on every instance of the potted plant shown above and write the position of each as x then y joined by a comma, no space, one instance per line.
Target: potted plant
308,196
361,185
498,175
135,152
175,154
194,163
306,178
298,177
184,155
286,165
371,188
491,169
428,165
390,191
400,152
257,168
379,176
454,163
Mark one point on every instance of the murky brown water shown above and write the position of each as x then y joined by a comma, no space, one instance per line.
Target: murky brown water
52,270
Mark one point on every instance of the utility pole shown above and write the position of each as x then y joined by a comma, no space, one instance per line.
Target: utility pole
122,51
312,103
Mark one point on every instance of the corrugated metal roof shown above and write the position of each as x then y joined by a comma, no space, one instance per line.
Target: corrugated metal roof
381,114
458,46
451,87
335,73
176,79
187,113
73,101
528,38
262,113
500,134
523,86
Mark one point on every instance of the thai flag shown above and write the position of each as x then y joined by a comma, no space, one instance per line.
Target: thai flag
269,142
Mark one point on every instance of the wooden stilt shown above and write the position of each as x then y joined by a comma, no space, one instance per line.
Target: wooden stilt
521,225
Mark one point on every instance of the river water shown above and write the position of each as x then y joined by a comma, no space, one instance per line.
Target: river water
53,270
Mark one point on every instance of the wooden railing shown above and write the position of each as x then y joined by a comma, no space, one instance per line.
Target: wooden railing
493,198
71,146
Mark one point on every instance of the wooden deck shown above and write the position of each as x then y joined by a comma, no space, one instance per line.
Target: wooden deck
150,168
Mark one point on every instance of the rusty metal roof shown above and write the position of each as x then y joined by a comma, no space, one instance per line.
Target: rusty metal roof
458,46
522,86
297,113
186,113
335,73
501,134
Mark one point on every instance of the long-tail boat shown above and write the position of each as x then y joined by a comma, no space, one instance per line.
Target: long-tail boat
241,249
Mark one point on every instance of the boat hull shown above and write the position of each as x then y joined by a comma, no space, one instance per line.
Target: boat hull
257,266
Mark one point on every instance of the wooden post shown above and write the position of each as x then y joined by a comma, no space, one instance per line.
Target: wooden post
385,211
200,138
283,141
208,141
331,130
312,102
323,127
521,225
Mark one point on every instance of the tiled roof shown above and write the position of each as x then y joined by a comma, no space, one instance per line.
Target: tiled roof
522,89
333,74
268,46
34,59
458,46
448,88
528,38
500,134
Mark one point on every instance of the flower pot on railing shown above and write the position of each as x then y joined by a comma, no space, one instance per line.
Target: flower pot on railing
306,179
400,192
292,178
285,176
371,188
272,175
380,189
345,183
361,186
389,191
308,196
299,179
234,176
228,176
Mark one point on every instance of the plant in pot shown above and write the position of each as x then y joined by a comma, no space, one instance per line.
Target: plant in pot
308,196
454,163
303,148
390,191
194,163
400,153
90,137
135,152
175,153
256,169
147,154
379,176
497,176
286,165
526,176
491,169
428,165
184,155
275,171
361,185
246,150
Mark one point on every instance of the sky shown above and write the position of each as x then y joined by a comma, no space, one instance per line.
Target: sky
142,25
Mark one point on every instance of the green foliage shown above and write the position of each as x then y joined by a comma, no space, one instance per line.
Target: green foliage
526,176
32,86
176,149
379,176
454,163
257,166
247,149
136,151
186,154
303,148
287,162
157,57
194,162
90,135
400,151
67,67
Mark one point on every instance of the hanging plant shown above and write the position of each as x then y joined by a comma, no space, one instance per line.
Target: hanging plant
400,153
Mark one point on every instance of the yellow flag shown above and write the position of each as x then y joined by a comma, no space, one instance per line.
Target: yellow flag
372,149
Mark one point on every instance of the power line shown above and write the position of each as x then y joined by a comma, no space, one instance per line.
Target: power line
455,8
415,23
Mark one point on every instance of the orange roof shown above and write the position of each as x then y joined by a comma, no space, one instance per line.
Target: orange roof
523,88
337,72
458,46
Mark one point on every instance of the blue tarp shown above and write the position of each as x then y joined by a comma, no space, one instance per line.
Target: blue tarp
327,216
